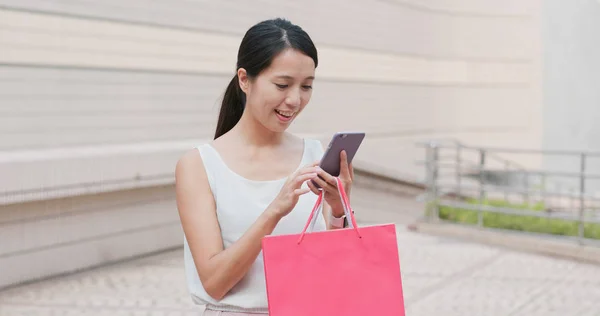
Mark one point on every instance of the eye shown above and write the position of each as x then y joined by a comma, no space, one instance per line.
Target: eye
281,86
306,87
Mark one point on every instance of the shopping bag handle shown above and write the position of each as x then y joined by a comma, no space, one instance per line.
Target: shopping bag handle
319,206
346,205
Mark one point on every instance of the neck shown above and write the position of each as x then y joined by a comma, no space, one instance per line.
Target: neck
254,133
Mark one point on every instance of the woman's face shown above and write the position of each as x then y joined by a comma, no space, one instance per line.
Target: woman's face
281,91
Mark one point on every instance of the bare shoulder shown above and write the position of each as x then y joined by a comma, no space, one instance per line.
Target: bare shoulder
190,163
192,189
191,176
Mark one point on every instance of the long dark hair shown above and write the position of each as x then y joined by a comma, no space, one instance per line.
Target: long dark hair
262,42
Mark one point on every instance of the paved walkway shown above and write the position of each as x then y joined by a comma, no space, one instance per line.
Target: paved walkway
440,276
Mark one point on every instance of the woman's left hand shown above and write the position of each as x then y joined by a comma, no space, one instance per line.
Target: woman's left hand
328,184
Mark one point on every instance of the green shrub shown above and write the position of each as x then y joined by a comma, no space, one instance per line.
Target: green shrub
532,224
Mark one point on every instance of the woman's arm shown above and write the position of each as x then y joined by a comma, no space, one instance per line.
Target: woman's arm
327,213
219,269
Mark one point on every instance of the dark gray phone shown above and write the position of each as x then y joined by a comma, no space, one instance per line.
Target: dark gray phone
350,142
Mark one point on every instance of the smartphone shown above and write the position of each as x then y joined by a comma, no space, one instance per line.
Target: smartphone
349,141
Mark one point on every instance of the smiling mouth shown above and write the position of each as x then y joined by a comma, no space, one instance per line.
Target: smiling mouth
286,115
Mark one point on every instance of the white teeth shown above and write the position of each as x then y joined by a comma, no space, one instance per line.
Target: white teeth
286,114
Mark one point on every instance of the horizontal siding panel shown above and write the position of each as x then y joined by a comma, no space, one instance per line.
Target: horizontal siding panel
105,76
65,107
488,8
109,45
392,21
398,111
108,93
103,137
17,90
122,121
73,42
102,82
58,105
408,30
387,108
383,68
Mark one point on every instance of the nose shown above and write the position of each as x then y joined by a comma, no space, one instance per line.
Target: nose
293,98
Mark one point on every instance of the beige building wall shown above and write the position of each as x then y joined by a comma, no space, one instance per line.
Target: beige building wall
98,99
571,33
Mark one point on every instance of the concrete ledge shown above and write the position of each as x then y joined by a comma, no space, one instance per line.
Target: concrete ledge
52,173
515,241
378,178
44,239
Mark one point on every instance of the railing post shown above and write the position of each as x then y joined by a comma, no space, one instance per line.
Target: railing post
526,191
481,187
543,189
432,175
458,171
506,177
581,226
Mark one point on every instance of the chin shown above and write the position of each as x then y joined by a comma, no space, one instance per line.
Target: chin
279,126
279,129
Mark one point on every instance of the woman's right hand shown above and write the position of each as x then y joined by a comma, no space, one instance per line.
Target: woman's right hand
288,197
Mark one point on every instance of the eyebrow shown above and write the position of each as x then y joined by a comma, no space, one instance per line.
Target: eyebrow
290,77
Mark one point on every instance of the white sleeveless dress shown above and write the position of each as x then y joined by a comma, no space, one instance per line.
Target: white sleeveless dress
239,202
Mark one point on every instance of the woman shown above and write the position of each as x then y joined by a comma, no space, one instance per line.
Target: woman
253,179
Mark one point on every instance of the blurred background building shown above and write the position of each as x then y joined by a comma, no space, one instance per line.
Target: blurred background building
98,100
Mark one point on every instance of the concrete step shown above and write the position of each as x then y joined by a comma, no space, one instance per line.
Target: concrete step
380,199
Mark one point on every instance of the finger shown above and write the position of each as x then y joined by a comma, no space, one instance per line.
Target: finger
301,191
313,187
327,177
311,165
351,171
344,167
325,185
303,178
305,170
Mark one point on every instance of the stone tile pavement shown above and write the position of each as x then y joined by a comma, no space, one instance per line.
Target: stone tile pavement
441,277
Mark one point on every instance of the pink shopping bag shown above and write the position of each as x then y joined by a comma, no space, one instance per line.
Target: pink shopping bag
345,272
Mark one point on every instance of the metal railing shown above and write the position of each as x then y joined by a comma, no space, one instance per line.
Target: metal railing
486,181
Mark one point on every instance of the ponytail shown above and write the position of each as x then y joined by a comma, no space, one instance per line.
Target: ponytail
232,107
